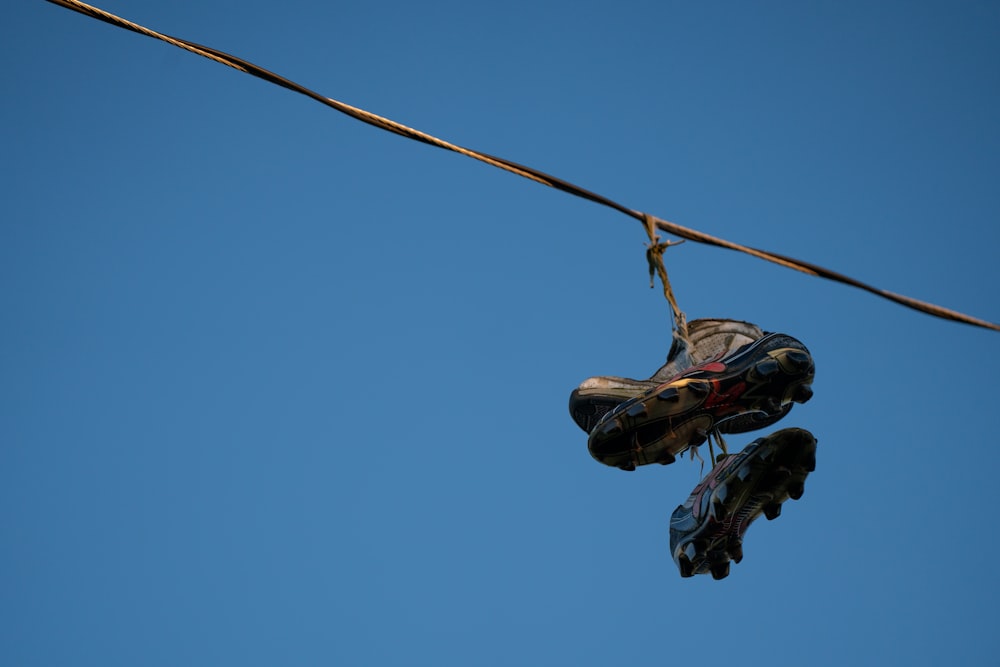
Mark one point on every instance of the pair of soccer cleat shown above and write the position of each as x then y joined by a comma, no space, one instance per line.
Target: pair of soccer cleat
729,377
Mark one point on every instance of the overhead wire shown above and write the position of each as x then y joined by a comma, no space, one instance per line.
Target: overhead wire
522,170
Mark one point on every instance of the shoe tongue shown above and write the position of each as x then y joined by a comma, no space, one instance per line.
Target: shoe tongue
678,359
679,348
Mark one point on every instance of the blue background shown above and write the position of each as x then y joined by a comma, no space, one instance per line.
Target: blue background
278,388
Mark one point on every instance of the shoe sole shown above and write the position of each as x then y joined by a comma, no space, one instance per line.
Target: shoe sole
758,481
588,406
750,389
710,338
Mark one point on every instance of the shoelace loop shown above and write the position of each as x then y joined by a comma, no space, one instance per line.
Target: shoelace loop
654,258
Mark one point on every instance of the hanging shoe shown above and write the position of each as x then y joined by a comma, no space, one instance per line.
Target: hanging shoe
747,389
706,532
709,339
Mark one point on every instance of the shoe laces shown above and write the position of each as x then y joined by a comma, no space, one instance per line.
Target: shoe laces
715,435
654,257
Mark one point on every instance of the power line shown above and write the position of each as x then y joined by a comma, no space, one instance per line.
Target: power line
519,169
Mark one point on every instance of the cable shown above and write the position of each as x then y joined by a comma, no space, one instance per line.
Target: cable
519,169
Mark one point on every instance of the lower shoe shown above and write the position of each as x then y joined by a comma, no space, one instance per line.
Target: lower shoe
708,339
750,388
706,532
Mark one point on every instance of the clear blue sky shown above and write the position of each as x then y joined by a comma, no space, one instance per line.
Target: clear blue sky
278,388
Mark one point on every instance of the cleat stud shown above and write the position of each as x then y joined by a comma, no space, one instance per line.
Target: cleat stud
719,509
685,566
799,360
802,393
627,467
796,489
699,388
768,367
669,394
810,463
736,552
722,492
772,511
772,405
637,410
695,550
622,407
720,570
698,438
666,458
611,428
